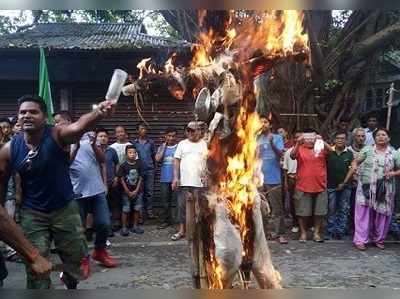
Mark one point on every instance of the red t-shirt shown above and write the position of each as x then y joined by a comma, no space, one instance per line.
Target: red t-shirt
311,170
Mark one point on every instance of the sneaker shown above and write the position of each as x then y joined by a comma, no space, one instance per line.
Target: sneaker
124,232
85,267
108,243
102,256
295,229
68,282
137,230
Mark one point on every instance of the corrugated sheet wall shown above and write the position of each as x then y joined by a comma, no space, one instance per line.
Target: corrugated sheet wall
160,113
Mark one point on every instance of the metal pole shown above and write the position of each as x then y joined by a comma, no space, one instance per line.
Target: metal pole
390,105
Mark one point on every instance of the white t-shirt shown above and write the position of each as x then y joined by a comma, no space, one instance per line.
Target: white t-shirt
120,149
289,164
193,156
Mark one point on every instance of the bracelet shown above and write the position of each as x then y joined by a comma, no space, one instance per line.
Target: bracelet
32,257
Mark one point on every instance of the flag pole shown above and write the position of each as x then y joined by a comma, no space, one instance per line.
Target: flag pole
390,105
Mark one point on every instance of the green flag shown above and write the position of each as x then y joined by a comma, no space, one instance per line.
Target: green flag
44,86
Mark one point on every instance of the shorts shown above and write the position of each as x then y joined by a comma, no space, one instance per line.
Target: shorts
135,204
309,204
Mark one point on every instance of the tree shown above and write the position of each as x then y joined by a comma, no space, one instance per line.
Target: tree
345,47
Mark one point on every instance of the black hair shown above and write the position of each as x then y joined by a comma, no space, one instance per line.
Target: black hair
142,125
128,147
372,115
101,130
344,120
120,126
380,129
5,120
170,130
35,99
309,130
65,114
14,120
340,133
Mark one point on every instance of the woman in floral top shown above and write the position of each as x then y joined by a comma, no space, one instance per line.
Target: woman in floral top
375,190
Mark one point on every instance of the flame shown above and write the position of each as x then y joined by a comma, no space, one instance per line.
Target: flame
169,65
242,170
277,34
202,51
145,67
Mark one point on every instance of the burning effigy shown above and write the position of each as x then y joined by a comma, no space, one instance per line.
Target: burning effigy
228,76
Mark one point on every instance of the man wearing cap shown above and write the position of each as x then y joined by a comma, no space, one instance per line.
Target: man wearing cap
189,165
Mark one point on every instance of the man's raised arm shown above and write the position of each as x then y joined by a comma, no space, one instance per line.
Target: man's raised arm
70,134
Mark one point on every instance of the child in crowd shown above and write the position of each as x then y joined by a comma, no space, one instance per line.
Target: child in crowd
131,180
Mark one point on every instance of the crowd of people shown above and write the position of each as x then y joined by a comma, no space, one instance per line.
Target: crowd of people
66,185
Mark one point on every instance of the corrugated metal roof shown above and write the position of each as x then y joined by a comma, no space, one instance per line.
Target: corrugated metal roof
87,36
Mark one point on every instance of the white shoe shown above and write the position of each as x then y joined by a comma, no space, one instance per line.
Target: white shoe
295,229
108,243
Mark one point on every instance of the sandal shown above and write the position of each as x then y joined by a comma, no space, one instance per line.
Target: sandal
282,240
177,236
318,239
302,240
380,246
360,247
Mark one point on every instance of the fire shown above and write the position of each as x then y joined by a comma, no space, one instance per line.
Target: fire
277,34
169,65
242,171
145,67
202,51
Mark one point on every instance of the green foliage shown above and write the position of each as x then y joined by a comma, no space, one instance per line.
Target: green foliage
157,25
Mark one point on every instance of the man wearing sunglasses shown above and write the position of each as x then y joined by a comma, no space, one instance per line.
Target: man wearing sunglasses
48,211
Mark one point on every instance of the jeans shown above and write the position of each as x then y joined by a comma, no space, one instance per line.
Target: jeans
167,197
97,205
3,269
148,184
338,211
132,204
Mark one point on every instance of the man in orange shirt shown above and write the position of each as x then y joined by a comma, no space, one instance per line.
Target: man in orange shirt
310,194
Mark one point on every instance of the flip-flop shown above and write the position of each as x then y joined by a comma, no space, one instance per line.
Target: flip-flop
177,236
318,239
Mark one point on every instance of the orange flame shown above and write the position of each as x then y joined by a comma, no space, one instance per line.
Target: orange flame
145,67
277,34
169,65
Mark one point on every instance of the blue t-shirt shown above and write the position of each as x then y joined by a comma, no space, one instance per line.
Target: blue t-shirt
146,152
167,164
111,162
270,162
